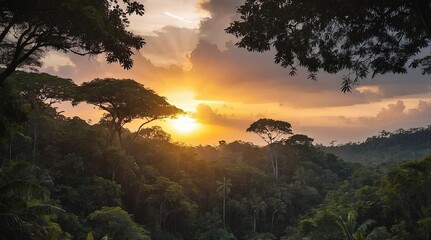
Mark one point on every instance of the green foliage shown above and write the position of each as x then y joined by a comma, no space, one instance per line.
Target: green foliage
362,38
397,146
13,113
25,208
216,234
175,191
115,223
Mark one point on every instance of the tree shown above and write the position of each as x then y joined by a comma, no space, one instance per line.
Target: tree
28,28
258,208
271,131
300,139
374,37
25,210
223,190
41,91
116,224
278,206
352,231
165,198
124,100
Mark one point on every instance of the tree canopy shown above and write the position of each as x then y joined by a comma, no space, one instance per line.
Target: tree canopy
28,28
43,90
270,130
360,37
125,100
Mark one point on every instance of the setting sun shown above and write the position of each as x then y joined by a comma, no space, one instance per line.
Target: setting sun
184,124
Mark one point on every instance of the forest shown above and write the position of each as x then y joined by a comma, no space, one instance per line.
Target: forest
62,178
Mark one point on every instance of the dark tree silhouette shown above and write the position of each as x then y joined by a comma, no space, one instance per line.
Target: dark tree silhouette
124,100
41,91
28,28
362,37
271,131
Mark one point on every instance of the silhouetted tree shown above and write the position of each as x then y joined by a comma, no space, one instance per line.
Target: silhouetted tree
361,37
223,190
28,28
124,100
41,91
271,131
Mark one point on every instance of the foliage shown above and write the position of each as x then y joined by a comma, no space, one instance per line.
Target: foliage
80,27
41,90
116,223
80,185
25,210
396,146
271,131
124,100
361,37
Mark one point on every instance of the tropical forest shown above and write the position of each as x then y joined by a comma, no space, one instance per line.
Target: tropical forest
99,140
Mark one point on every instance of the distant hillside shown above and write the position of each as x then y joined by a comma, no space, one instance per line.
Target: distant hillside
397,146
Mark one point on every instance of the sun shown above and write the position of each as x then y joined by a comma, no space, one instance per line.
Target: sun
184,124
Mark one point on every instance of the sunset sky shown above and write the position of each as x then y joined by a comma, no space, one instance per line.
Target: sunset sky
190,60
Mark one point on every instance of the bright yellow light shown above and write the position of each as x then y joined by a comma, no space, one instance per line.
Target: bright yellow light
184,124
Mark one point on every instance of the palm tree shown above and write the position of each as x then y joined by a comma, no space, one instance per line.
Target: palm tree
223,190
366,231
23,203
278,206
257,209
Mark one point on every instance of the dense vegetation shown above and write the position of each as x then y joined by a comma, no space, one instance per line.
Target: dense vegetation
62,178
397,146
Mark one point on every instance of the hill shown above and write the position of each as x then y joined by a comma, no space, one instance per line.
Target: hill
397,146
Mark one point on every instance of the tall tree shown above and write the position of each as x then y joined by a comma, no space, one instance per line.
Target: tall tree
124,100
271,131
41,91
223,190
258,208
359,36
28,28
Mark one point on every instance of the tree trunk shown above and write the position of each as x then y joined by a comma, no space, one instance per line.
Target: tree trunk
113,174
119,137
254,222
34,143
224,209
274,161
6,73
272,221
276,165
138,196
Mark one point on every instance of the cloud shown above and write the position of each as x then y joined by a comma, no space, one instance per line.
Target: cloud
222,13
206,115
238,75
394,116
259,70
171,46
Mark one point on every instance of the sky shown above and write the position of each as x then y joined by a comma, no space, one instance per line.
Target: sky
189,59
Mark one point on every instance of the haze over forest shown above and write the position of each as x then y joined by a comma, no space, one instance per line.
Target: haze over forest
215,120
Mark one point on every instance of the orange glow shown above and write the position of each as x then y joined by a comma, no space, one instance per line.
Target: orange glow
184,124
